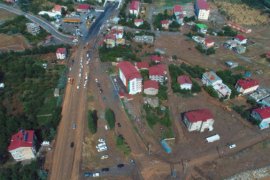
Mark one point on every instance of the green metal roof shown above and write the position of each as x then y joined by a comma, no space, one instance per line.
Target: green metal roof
202,26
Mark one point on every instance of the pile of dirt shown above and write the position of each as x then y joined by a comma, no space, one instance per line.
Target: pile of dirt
242,13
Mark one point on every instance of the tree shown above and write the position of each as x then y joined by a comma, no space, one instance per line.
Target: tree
110,117
211,91
92,121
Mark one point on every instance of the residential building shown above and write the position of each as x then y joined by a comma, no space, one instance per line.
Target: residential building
130,77
83,8
61,53
202,28
239,49
58,9
156,58
185,82
134,8
150,87
198,39
231,64
246,86
210,78
110,40
240,39
202,10
138,22
165,24
223,90
142,65
262,115
230,44
267,55
158,73
10,1
177,10
22,145
199,120
180,19
209,43
265,101
118,31
259,94
144,39
33,28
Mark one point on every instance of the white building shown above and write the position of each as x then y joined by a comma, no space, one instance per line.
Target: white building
158,73
22,145
202,10
33,28
184,82
150,87
61,53
199,120
130,77
263,116
210,78
246,86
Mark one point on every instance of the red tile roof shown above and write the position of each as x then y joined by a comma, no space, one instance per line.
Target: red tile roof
208,41
264,112
129,71
199,115
83,6
150,84
267,54
110,36
165,22
57,8
61,50
184,79
142,65
138,20
202,4
157,70
134,5
247,83
240,37
24,138
177,8
156,58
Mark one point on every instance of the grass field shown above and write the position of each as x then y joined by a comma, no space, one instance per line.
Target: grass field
5,15
14,42
170,2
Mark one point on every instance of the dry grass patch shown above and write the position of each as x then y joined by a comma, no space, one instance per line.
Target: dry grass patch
14,42
242,13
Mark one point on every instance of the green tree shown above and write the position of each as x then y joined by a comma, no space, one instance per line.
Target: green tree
92,121
110,117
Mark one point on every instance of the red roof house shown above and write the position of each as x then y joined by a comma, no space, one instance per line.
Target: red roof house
240,39
267,55
134,7
57,8
130,77
22,145
209,43
156,58
246,86
202,4
61,53
150,87
83,7
165,24
138,22
185,82
199,120
142,65
177,9
158,73
262,114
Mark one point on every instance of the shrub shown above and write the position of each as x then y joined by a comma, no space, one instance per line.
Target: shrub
110,117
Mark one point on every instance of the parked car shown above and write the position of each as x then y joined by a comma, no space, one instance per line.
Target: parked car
101,149
73,125
120,165
106,127
101,144
72,144
96,175
101,140
104,157
88,174
119,125
231,146
105,169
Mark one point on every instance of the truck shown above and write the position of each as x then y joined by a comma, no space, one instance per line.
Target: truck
213,138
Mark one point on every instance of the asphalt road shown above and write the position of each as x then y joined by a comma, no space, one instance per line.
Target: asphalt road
66,159
41,22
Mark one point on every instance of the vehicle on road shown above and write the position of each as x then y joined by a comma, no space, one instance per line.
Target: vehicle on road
96,175
88,174
73,125
106,127
231,146
100,91
72,144
104,157
96,80
119,125
78,87
120,165
105,169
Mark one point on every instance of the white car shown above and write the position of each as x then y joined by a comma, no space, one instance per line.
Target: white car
101,145
231,146
104,157
106,127
96,175
80,74
78,87
96,80
101,140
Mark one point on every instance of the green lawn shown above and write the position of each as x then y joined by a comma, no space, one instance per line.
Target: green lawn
171,2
